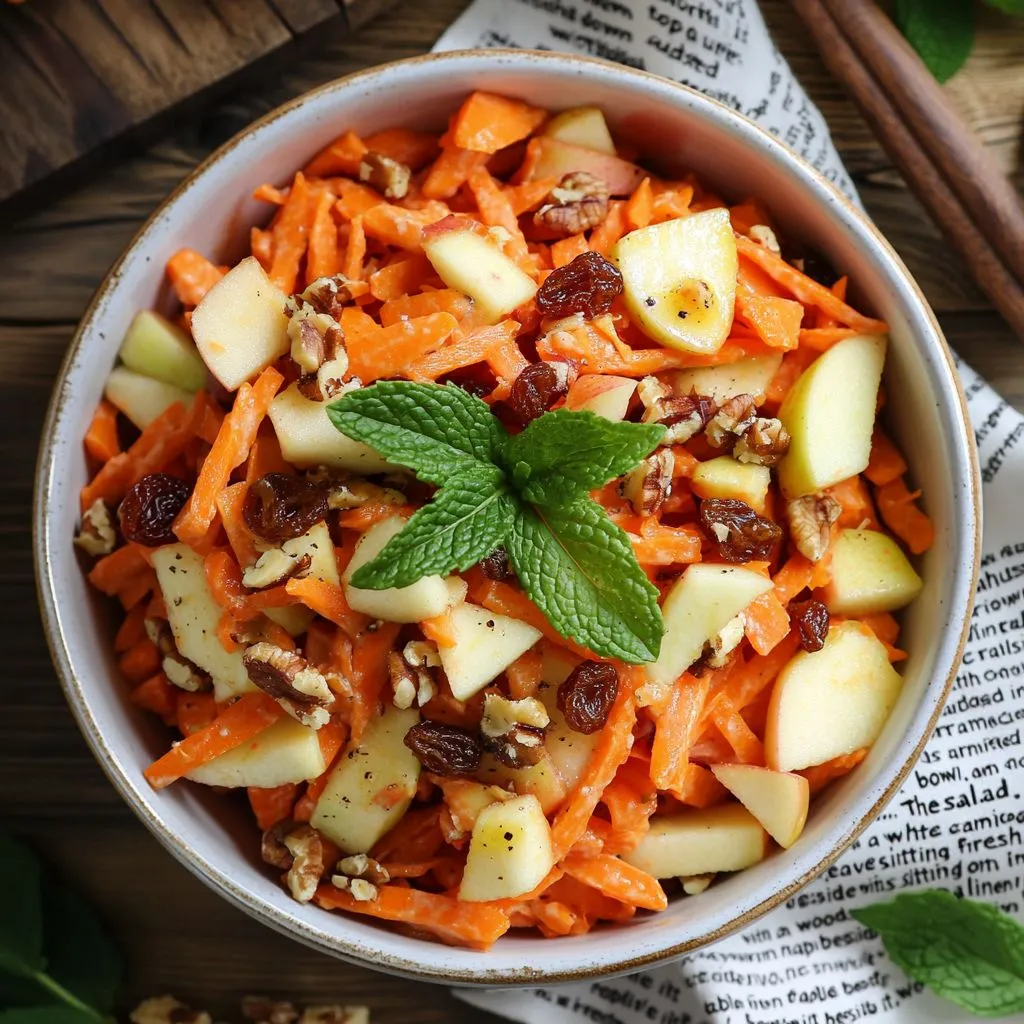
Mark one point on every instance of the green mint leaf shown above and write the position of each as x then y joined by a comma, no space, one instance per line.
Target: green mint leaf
967,952
438,431
1008,6
21,923
941,31
562,455
578,567
80,956
55,1014
468,518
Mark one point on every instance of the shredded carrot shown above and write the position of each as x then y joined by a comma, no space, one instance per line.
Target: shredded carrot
530,194
101,441
619,880
640,205
397,226
565,250
820,775
765,622
886,462
448,173
322,260
327,599
777,321
898,508
666,545
112,571
131,630
412,148
524,674
401,279
411,307
391,349
195,711
191,276
290,232
675,730
157,696
486,123
369,674
883,625
440,629
342,156
272,805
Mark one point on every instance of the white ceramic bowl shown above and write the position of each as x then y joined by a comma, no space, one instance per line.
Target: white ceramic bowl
212,212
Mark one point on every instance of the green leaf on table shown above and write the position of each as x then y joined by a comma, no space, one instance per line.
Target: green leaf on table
578,567
1007,6
21,923
55,1014
469,517
941,31
967,952
436,431
565,455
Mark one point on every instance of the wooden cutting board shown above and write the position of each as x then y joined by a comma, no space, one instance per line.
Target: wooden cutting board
77,74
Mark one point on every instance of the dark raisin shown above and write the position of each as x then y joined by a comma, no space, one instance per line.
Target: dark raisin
587,285
811,262
587,696
741,534
811,621
280,506
445,749
496,566
536,389
148,510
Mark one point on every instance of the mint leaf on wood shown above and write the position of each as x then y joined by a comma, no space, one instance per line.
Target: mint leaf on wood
565,455
967,952
55,1014
436,431
21,923
941,31
468,518
578,567
1015,7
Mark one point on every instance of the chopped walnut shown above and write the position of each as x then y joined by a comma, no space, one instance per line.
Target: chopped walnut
298,687
345,491
734,416
724,642
694,885
307,868
167,1010
330,379
272,848
409,683
650,483
335,1015
261,1010
579,202
273,567
180,672
763,443
315,336
387,176
514,729
810,523
97,536
329,295
421,654
764,236
684,416
359,865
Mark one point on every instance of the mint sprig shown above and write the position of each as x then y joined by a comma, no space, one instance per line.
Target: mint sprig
967,952
529,493
57,965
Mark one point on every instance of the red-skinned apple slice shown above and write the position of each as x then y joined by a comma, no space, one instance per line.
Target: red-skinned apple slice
602,394
555,159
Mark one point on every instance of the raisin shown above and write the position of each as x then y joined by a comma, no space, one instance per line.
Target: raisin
742,535
280,506
496,566
811,621
445,749
149,509
587,696
587,285
535,390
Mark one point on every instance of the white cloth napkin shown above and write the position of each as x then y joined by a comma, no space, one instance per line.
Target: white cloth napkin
790,967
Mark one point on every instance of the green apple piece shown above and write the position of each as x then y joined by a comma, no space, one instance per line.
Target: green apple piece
308,438
570,750
510,851
831,702
159,349
602,394
541,780
779,800
316,543
193,616
142,398
582,126
830,415
240,327
421,600
726,477
679,280
870,573
699,842
485,645
347,812
556,158
699,605
285,752
473,263
750,375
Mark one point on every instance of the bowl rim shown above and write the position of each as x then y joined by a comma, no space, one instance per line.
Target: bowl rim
269,914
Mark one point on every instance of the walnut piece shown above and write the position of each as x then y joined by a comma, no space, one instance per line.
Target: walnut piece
724,642
97,536
764,236
180,672
578,202
649,484
273,567
763,443
810,523
684,416
298,687
167,1010
335,1015
360,875
345,491
262,1010
514,729
734,416
410,685
329,295
387,176
307,868
421,654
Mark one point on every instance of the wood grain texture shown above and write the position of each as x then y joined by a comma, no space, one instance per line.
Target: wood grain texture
179,936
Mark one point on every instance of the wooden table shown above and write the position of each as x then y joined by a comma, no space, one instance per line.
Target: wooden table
177,935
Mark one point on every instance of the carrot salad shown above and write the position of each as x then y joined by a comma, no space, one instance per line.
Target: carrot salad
515,528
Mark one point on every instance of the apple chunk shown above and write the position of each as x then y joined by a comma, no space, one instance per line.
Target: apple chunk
557,158
582,126
510,851
699,605
240,327
700,842
870,573
679,280
162,350
830,415
726,477
142,398
602,394
750,375
779,800
831,702
471,262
